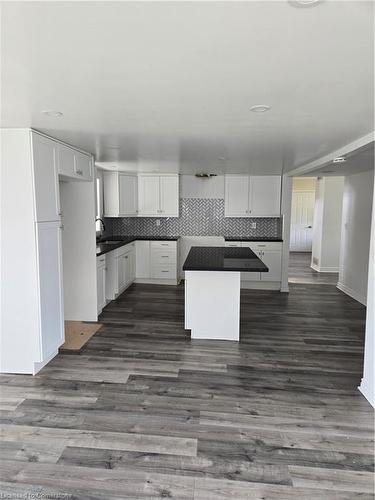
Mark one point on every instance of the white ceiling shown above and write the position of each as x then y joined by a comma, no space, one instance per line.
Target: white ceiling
172,83
358,161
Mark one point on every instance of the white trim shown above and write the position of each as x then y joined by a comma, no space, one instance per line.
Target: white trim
153,281
324,269
260,285
309,167
352,293
39,365
366,392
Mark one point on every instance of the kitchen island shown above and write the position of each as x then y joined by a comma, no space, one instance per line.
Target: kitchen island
212,290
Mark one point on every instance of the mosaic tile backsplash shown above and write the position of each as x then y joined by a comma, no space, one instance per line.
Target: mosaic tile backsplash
198,217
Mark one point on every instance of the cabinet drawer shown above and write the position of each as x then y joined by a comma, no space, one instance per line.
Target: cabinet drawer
163,257
164,272
164,244
100,261
263,245
233,244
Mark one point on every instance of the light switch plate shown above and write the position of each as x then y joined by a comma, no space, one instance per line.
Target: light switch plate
253,225
158,222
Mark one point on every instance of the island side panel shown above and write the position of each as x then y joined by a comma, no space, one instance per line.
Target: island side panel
212,304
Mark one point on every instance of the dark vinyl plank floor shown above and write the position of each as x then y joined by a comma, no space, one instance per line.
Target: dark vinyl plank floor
145,412
300,271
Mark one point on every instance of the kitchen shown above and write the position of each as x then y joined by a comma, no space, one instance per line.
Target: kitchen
153,344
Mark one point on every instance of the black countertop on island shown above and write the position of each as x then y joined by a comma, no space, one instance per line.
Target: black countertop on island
223,259
102,248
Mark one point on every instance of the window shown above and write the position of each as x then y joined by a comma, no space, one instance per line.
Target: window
99,201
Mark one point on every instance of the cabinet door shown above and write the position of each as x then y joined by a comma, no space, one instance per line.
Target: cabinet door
237,196
142,259
265,195
47,199
272,259
66,161
250,276
130,267
149,195
121,269
50,287
169,196
128,195
83,166
101,288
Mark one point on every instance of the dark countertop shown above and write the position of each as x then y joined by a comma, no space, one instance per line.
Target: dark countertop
252,238
223,259
102,248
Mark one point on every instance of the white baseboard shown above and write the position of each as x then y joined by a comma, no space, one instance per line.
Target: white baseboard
260,285
352,293
324,269
151,281
367,393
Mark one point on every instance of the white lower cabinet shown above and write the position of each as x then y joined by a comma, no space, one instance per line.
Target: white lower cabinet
50,288
270,253
157,262
125,267
101,282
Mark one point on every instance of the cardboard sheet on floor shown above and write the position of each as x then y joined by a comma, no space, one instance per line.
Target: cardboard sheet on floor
77,334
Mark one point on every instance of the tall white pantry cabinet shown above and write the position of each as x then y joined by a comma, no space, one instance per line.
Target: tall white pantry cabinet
32,312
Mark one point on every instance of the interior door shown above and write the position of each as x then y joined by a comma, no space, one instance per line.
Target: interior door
302,221
169,198
50,287
149,195
237,196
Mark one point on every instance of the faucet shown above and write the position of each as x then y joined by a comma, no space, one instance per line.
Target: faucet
101,220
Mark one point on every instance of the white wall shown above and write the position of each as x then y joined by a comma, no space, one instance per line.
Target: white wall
327,224
79,250
194,187
355,238
367,386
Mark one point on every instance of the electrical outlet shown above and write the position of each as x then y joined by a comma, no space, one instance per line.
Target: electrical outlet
158,222
253,225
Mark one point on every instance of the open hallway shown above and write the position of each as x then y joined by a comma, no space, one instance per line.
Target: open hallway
300,271
144,412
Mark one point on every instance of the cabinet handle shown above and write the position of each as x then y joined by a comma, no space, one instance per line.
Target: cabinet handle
164,244
165,271
165,256
261,245
125,257
62,227
79,172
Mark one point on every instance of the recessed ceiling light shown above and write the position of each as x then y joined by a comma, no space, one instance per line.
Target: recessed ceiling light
222,158
304,3
52,112
339,159
260,108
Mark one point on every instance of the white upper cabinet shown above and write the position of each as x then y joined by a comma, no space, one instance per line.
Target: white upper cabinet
128,195
265,194
237,195
74,164
120,194
169,195
46,182
158,195
149,195
252,196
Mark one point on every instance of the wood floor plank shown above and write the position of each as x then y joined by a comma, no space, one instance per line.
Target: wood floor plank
143,411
